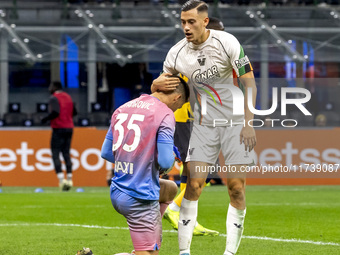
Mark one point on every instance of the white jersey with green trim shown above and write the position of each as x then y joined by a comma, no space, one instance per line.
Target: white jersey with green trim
211,68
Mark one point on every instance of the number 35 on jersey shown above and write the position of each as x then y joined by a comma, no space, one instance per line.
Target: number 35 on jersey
123,123
132,124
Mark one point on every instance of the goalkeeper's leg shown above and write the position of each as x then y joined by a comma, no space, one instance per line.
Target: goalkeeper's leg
167,192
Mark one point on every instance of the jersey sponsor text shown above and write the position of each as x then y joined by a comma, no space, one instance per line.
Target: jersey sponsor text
207,76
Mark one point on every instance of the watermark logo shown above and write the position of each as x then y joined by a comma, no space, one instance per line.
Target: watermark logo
238,106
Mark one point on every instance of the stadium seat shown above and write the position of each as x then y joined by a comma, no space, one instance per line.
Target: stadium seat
276,115
303,120
14,107
37,116
99,119
333,118
42,107
15,118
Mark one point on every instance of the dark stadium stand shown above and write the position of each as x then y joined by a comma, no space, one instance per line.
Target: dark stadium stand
333,118
303,120
180,2
15,118
144,35
36,118
99,119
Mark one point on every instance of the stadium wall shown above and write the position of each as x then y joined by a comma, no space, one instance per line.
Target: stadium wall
25,157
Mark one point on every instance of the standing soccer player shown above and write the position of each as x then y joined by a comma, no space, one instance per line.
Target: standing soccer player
213,60
140,143
184,119
61,112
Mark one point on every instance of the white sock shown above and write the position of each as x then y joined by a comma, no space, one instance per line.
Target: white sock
69,177
186,224
228,253
235,221
174,207
60,177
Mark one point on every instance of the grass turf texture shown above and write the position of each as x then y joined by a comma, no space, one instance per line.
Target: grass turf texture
60,223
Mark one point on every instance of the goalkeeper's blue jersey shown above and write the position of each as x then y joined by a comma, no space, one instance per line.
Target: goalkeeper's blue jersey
135,129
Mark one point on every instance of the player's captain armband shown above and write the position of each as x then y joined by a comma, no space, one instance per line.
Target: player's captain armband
243,65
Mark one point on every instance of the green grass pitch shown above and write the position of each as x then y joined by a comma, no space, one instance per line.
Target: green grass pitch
280,220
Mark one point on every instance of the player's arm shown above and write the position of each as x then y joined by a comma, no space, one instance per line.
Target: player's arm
165,144
248,136
164,83
166,158
106,151
54,109
75,111
244,71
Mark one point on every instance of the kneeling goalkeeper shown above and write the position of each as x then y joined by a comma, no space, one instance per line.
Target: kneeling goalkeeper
140,142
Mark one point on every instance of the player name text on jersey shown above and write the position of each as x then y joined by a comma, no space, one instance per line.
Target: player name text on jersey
138,104
125,167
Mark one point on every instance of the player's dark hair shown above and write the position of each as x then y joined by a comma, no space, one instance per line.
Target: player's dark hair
192,4
182,88
57,85
215,23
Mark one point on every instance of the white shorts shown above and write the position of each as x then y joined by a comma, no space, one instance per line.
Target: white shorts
207,141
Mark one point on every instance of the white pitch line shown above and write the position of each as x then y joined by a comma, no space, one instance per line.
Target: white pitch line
279,204
70,225
171,231
61,206
290,240
287,240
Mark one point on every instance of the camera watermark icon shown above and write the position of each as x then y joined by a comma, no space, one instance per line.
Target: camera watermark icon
238,106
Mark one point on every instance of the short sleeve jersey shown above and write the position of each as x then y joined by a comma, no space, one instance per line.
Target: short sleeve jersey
134,131
212,68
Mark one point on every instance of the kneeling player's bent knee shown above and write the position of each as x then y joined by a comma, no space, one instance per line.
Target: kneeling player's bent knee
172,190
168,190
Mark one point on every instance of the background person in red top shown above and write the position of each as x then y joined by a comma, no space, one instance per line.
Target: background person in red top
61,111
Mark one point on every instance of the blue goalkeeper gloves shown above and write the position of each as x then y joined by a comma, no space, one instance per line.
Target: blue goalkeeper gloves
177,154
